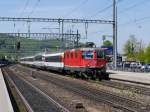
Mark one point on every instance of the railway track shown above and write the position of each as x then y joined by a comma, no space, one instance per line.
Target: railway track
34,98
16,96
122,86
114,100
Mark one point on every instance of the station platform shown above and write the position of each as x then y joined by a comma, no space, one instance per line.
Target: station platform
5,103
143,78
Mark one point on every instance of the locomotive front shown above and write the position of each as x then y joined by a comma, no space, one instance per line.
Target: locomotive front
95,62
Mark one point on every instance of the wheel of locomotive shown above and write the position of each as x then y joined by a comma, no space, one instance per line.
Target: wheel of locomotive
78,74
82,75
93,75
100,75
88,75
85,75
75,74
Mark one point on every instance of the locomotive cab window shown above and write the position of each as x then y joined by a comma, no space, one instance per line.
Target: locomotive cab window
88,55
100,54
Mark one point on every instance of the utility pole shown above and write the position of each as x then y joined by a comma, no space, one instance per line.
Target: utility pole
114,35
77,38
116,40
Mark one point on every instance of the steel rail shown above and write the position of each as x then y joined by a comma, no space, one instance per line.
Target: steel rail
69,86
148,84
28,107
92,94
62,108
139,89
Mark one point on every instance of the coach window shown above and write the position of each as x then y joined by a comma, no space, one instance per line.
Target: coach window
53,59
38,58
30,59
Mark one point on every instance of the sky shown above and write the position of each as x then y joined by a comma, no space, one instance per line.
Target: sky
133,17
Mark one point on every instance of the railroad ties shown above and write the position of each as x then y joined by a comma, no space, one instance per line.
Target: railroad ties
34,99
42,91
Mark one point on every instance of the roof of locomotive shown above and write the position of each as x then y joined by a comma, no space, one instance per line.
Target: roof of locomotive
87,49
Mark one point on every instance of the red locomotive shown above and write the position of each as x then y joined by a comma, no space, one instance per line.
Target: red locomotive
88,62
83,62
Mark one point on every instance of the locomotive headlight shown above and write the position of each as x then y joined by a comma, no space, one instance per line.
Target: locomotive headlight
101,66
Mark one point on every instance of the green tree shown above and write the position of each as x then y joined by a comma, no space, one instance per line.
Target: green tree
107,43
141,55
130,48
147,54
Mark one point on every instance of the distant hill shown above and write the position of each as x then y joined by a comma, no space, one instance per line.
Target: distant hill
28,46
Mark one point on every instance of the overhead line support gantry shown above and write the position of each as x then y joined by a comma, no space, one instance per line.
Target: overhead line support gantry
56,20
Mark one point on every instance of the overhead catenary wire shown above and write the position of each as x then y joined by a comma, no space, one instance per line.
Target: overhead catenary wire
32,11
101,11
22,12
25,7
135,21
104,9
134,6
76,8
130,8
125,10
34,8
